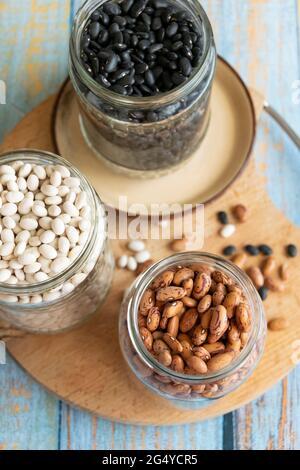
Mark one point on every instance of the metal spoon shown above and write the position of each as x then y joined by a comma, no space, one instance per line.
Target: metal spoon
282,123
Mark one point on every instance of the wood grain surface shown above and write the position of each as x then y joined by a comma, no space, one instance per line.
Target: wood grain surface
261,39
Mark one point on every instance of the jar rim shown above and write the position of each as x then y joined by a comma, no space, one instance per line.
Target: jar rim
43,157
162,99
142,283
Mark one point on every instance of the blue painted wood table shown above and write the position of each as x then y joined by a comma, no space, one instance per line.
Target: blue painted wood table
261,39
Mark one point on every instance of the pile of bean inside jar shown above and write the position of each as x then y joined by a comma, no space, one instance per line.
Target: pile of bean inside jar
195,332
55,264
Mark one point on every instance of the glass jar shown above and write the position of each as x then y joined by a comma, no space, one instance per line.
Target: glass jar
70,297
144,136
190,391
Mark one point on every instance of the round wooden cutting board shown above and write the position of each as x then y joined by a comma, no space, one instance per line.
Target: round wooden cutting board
85,368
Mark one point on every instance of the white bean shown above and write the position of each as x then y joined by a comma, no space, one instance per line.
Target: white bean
34,241
45,223
7,235
49,190
85,225
4,275
47,237
39,210
63,191
23,236
58,226
65,173
9,222
228,230
122,261
22,184
28,257
12,186
32,268
40,172
78,278
60,264
36,299
54,211
136,246
25,206
28,223
48,251
33,182
54,200
63,245
41,276
132,263
55,178
69,208
6,170
7,249
25,170
8,209
72,234
142,256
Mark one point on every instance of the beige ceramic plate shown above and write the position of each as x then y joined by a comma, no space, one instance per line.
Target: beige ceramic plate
219,160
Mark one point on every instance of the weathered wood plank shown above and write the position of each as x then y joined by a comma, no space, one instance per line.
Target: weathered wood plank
29,415
81,431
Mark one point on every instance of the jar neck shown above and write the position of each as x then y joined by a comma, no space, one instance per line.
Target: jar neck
208,60
184,259
98,222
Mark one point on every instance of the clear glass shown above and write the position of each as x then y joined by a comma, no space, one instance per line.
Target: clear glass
95,266
151,136
180,389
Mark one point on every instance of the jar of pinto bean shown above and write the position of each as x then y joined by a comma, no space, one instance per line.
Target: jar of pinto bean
143,73
56,265
192,328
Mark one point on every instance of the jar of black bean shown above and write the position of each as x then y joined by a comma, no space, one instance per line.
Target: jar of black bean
143,71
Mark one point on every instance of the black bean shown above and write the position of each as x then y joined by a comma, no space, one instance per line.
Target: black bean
292,251
172,29
127,81
149,78
141,68
85,42
118,74
177,45
263,292
104,54
197,52
138,7
126,5
229,250
144,44
172,55
112,8
166,16
120,20
103,37
94,29
156,23
95,15
178,78
185,66
134,40
152,116
129,90
95,65
265,250
223,218
142,28
145,90
112,63
177,37
114,28
172,65
146,18
121,90
139,79
155,47
117,37
95,46
136,58
160,35
157,71
104,18
187,40
252,250
137,92
186,51
103,81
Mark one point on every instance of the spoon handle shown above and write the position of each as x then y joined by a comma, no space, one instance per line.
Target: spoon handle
283,124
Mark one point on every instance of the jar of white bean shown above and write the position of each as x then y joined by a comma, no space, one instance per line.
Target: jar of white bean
56,266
